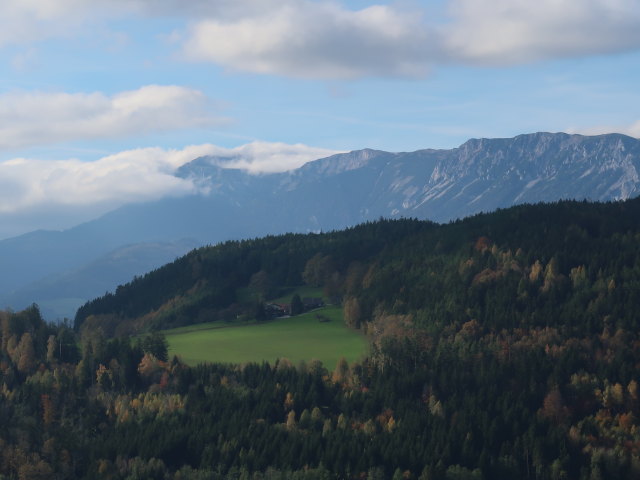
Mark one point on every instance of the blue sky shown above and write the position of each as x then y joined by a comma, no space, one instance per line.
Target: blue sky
100,100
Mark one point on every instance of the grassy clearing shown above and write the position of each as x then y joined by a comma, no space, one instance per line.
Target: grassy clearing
296,338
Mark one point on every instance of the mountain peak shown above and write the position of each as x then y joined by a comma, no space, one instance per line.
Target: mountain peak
342,162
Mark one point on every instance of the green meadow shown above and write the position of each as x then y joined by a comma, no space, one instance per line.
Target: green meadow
298,338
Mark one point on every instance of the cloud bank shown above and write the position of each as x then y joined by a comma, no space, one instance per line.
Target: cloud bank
134,175
74,190
316,40
28,21
39,118
266,157
327,39
507,32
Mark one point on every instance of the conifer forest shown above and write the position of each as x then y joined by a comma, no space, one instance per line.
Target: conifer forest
505,345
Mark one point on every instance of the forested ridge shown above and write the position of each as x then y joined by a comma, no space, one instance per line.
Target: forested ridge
503,345
203,284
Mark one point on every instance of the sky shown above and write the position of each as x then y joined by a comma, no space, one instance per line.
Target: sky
101,100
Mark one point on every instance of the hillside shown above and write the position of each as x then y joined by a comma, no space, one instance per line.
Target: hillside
327,194
205,283
505,345
59,294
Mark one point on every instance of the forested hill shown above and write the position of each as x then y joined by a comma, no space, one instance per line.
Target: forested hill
506,345
495,261
204,284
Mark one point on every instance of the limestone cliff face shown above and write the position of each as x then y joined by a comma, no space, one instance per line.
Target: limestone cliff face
480,175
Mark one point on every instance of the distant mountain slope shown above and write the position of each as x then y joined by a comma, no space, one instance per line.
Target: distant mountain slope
340,191
480,175
60,295
483,175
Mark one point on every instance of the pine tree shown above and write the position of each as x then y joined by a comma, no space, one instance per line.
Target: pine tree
296,305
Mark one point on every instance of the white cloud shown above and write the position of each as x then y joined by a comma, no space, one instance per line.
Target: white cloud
198,8
27,21
316,40
133,175
632,130
58,194
265,157
28,118
506,32
326,39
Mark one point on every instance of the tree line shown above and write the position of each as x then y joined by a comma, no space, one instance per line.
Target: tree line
502,346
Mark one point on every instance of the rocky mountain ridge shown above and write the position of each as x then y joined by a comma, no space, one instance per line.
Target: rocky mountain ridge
329,193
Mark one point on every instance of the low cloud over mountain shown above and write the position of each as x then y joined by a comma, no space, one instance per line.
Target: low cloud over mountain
338,191
59,194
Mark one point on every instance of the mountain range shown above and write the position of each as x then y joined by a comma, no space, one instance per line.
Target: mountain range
60,270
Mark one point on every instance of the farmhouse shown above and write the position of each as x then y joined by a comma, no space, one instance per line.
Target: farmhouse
273,310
